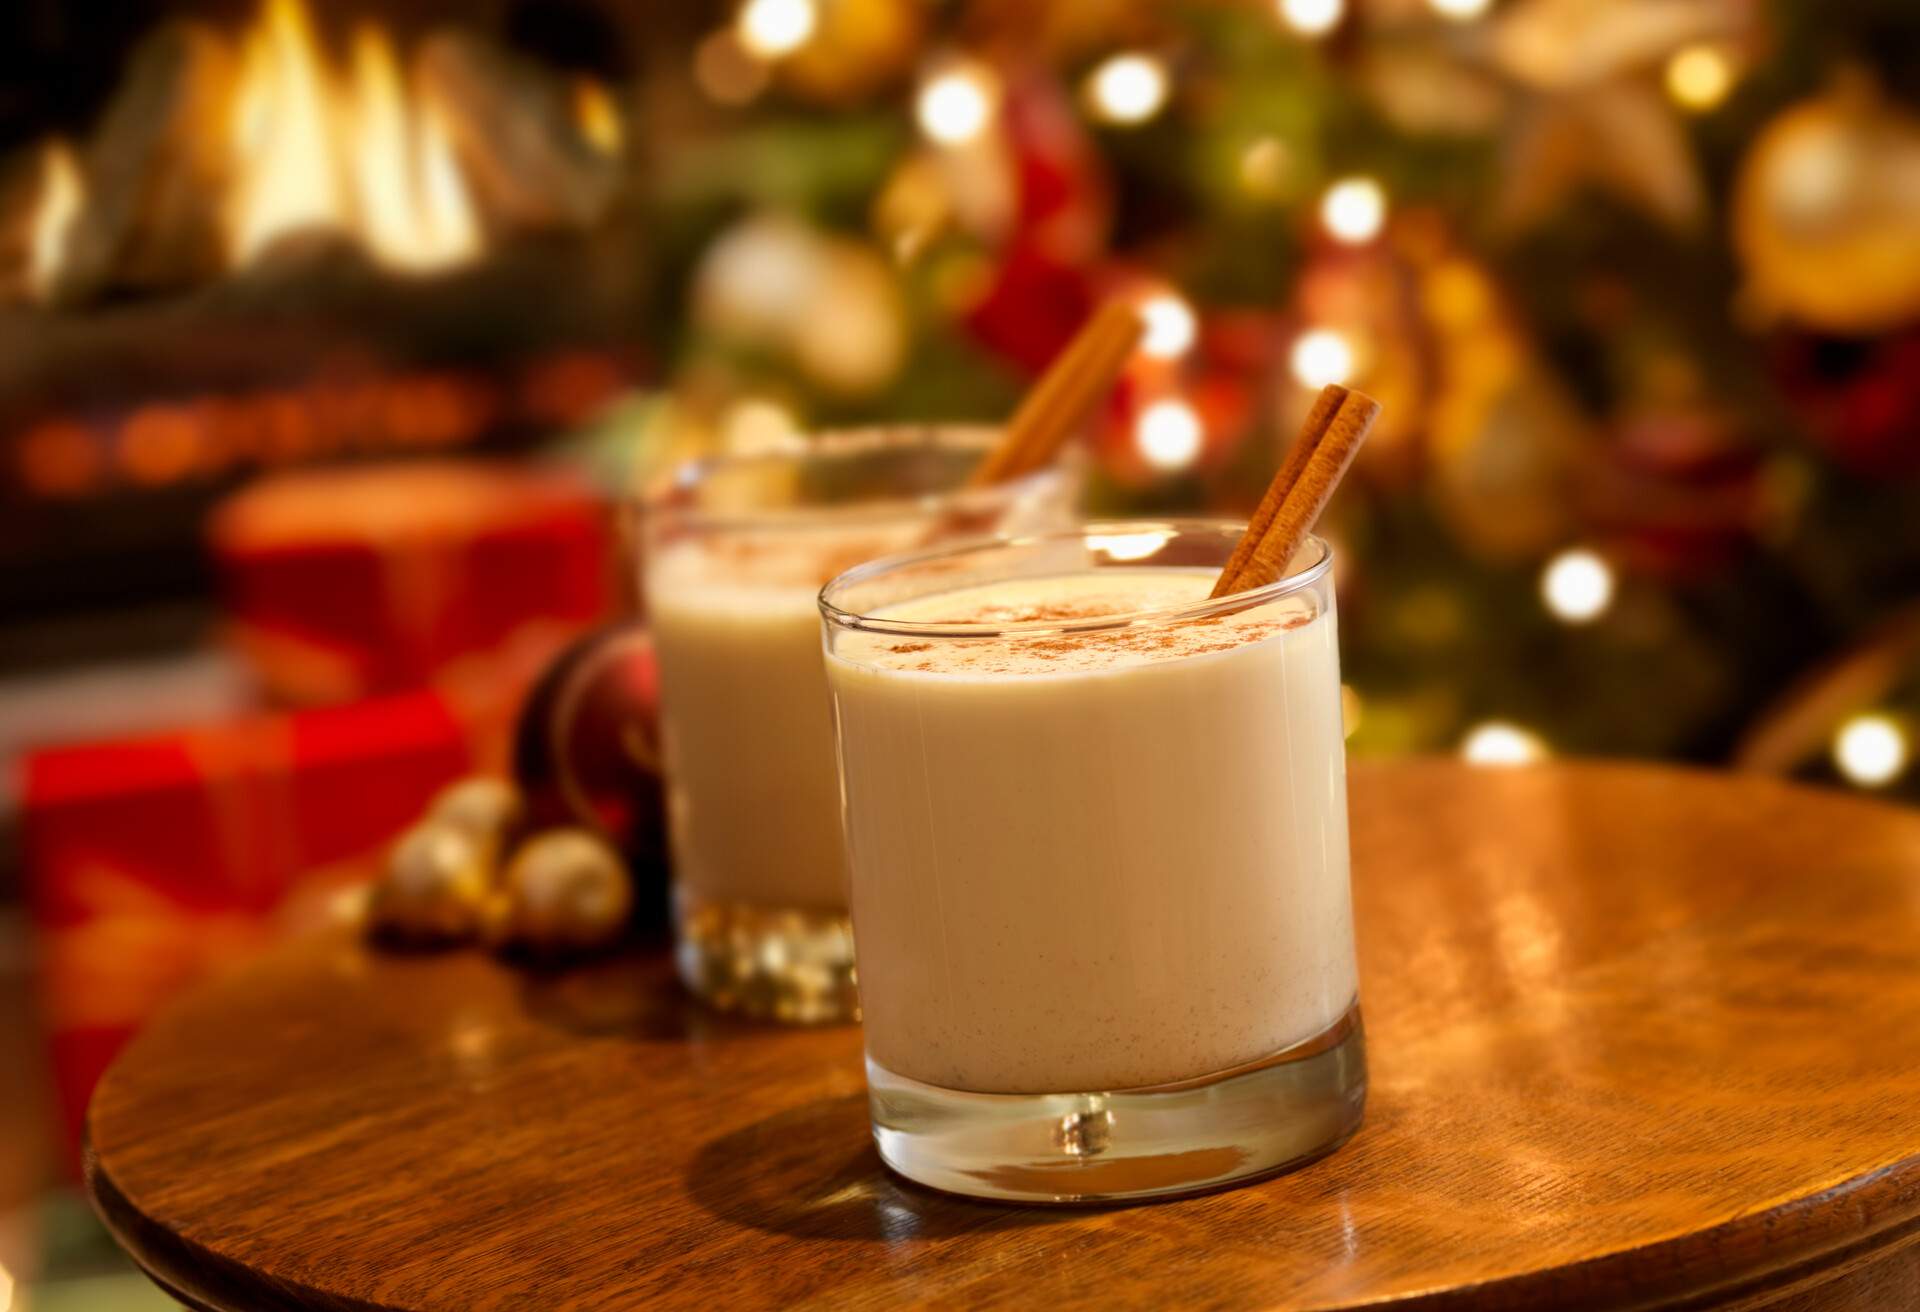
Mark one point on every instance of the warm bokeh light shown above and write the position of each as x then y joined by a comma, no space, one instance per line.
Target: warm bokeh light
1871,750
59,458
1128,546
1168,434
1311,17
55,209
1128,88
1460,11
757,426
1577,586
1496,742
1699,77
772,28
954,106
1354,210
1321,356
727,71
1263,167
597,115
1170,326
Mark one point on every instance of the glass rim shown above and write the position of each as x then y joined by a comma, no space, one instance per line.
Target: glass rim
842,443
1228,529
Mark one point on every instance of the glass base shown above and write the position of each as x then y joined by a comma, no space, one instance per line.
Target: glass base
1128,1144
768,962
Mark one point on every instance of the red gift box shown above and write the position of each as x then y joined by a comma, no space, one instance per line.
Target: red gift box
343,583
155,860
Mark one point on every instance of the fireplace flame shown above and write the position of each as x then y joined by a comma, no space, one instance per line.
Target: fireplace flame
415,210
55,209
284,142
362,155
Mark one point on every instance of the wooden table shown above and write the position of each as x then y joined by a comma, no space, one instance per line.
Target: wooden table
1639,1038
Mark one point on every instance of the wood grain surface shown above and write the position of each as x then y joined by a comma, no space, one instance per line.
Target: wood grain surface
1639,1038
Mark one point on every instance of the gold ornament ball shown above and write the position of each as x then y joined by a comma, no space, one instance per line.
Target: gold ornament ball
566,890
488,808
1826,214
832,305
855,336
438,881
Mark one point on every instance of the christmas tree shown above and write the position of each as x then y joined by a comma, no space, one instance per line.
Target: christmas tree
1637,282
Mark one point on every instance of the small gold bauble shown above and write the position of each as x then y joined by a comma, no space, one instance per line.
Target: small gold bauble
566,889
1826,214
438,880
490,809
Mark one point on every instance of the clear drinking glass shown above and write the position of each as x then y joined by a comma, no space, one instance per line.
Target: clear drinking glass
1097,834
734,551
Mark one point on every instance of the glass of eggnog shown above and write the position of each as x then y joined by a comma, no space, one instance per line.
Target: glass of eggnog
734,550
1096,825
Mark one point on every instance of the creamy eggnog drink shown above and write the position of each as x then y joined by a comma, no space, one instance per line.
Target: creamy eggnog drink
1097,835
735,557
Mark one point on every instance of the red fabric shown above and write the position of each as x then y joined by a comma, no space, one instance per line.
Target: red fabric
154,861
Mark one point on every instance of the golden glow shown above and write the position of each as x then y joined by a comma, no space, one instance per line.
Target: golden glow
1263,167
1871,750
1321,356
1129,546
58,205
451,227
1699,77
1460,11
1170,326
1168,434
1311,17
772,28
726,71
1351,709
1577,586
1495,742
756,426
1354,210
359,155
954,106
1127,89
597,115
382,175
290,177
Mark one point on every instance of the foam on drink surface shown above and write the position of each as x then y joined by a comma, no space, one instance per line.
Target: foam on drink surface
1067,600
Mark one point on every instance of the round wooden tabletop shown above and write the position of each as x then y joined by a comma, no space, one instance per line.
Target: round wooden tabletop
1639,1038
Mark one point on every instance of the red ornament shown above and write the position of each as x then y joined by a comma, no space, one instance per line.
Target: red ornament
1860,399
587,752
1679,494
1043,285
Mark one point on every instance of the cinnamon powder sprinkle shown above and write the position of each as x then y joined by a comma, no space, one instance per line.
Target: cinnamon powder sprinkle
1178,638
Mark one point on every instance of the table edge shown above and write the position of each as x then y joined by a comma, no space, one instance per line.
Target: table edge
189,1271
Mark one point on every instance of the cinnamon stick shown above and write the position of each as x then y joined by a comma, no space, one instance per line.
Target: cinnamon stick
1312,429
1076,381
1328,440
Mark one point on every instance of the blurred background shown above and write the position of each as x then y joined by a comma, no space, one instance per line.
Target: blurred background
331,336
